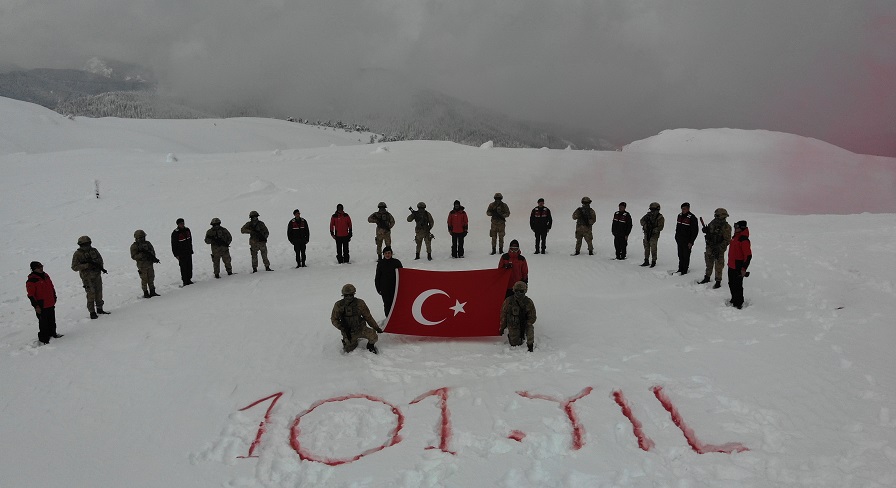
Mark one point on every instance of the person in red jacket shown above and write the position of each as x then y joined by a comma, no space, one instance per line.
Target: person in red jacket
516,263
457,227
739,256
42,294
341,231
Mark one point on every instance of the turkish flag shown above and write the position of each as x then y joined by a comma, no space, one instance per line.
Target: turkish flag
448,303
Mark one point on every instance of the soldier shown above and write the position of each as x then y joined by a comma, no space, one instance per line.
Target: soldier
182,248
718,234
42,295
385,278
652,224
585,219
518,315
145,255
516,263
686,233
423,223
88,262
341,231
351,316
621,228
457,227
384,223
498,211
298,234
540,222
739,257
258,240
219,238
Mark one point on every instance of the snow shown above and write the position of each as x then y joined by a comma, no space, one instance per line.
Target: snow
151,395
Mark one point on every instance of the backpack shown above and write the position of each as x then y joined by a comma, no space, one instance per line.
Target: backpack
714,236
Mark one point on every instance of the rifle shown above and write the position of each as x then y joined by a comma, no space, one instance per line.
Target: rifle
94,265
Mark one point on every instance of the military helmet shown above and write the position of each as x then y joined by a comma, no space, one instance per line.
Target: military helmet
138,234
720,213
253,214
521,286
348,289
381,205
654,206
586,200
421,205
498,196
215,221
83,240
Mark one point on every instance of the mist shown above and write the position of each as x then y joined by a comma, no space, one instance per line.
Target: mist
624,69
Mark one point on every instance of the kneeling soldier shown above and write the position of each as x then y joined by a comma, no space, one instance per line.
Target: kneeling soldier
349,316
518,315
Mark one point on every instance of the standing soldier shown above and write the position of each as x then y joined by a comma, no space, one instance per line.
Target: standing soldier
298,234
621,228
351,316
145,255
88,262
423,223
258,240
718,234
540,222
341,231
585,219
652,224
686,232
498,211
219,238
386,279
384,223
182,248
739,257
516,263
518,315
457,227
42,295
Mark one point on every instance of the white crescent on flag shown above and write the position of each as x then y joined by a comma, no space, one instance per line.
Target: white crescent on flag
417,306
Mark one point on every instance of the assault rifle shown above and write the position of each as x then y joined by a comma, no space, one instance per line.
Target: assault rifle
94,265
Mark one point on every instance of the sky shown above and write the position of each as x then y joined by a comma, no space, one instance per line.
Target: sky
795,390
626,69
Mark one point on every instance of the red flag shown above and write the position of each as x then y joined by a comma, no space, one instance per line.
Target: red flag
448,303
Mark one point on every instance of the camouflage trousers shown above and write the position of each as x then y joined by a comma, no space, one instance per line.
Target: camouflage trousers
147,276
650,246
583,232
714,260
382,236
350,343
221,253
254,249
93,285
422,236
496,232
516,334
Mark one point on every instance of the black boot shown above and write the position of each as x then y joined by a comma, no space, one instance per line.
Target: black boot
229,272
268,268
101,311
429,256
493,252
217,275
575,253
417,256
145,294
530,347
93,315
372,348
254,269
536,250
590,252
717,285
705,280
652,264
152,293
645,263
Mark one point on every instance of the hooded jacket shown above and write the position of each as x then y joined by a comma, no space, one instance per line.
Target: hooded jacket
739,252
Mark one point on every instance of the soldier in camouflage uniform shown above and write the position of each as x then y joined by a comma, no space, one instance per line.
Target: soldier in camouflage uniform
718,235
518,316
351,316
585,219
88,262
384,223
219,238
145,255
498,211
423,223
652,224
258,240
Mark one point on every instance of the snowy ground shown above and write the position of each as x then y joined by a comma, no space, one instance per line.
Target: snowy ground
150,396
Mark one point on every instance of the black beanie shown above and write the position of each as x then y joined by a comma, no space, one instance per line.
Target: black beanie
35,265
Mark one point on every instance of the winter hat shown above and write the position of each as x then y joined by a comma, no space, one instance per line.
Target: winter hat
339,206
622,204
35,265
387,249
741,224
179,221
515,243
541,200
685,204
295,211
457,202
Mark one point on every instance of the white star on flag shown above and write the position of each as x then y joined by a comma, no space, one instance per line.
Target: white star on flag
458,307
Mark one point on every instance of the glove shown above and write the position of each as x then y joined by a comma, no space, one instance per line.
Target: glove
379,330
156,260
464,234
349,234
104,271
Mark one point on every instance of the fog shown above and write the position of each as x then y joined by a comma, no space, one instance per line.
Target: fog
626,69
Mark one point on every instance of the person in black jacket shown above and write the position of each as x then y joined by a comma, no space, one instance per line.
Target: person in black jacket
182,248
540,222
385,278
686,232
298,235
621,228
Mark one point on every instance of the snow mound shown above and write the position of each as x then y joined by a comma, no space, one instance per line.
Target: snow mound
711,141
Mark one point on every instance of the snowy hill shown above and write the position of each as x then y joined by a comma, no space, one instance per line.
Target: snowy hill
151,395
